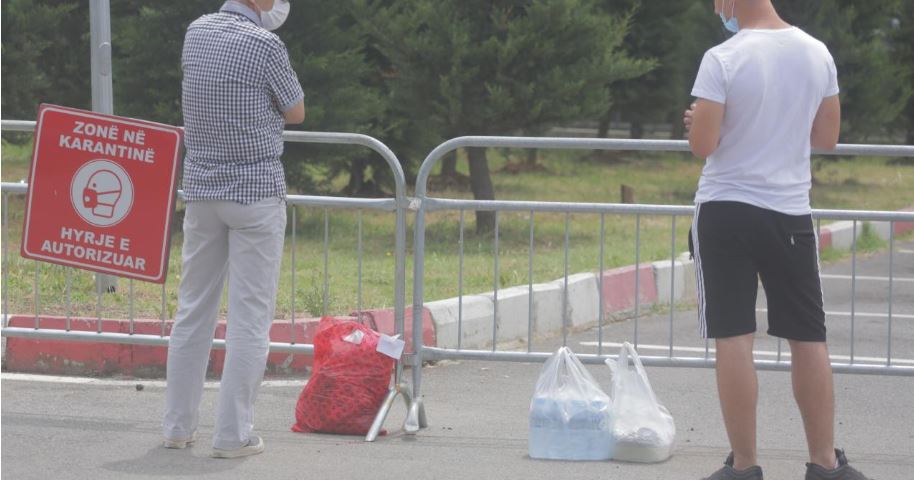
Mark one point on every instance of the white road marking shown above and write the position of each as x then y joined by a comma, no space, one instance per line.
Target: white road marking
828,276
107,382
858,314
761,353
905,250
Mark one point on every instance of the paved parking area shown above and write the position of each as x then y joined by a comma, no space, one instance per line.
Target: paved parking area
108,429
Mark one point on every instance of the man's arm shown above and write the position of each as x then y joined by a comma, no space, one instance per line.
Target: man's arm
295,114
703,120
283,85
827,124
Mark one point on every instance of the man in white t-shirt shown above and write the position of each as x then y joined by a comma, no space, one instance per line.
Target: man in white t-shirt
765,97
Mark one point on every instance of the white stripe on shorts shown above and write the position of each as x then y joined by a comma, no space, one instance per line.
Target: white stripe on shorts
699,277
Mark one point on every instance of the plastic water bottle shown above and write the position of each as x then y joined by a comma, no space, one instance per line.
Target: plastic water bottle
547,433
603,442
586,435
589,431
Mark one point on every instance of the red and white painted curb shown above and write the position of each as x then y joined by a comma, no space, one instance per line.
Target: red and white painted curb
840,235
98,358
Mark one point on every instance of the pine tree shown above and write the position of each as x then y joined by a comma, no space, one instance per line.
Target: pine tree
902,45
472,67
147,39
45,56
326,47
875,86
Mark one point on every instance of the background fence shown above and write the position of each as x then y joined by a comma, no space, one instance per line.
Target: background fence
534,292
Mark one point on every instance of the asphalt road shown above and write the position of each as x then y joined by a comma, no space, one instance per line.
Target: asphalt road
107,429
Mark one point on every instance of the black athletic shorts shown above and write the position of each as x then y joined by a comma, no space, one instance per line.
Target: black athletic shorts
734,244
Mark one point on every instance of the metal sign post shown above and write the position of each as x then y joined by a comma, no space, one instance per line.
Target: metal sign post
102,91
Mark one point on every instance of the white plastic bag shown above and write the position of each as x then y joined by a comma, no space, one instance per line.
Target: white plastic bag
569,413
643,429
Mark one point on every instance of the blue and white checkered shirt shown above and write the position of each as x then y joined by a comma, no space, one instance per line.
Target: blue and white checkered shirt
237,82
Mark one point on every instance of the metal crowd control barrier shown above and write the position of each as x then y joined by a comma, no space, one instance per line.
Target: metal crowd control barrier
398,204
424,204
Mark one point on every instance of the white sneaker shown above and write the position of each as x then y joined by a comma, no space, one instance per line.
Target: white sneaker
253,447
179,444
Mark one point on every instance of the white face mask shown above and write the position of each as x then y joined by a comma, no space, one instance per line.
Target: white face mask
274,18
731,24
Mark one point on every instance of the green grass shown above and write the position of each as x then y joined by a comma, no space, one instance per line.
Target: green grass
861,183
16,158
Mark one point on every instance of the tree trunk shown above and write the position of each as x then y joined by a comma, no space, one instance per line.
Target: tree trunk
356,176
603,127
636,130
677,129
627,194
532,156
481,183
449,164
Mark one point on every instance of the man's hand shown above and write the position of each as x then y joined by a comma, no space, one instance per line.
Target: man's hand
687,117
703,120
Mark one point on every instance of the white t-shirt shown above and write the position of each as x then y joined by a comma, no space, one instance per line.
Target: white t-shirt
771,83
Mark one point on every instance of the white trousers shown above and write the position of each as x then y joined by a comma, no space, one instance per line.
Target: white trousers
243,242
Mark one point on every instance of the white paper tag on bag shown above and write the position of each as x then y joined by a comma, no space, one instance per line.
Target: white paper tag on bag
355,337
391,346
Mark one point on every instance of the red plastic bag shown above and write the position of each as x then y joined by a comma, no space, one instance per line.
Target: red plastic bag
349,381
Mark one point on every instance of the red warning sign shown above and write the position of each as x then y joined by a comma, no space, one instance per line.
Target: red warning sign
101,193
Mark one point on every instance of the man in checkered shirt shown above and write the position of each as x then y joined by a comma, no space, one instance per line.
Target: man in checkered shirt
239,91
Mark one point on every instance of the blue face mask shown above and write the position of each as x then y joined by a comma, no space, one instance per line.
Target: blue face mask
732,24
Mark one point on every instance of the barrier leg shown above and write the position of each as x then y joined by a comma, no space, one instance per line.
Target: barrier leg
423,420
382,415
413,422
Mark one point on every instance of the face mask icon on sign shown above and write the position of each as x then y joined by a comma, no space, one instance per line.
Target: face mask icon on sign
102,193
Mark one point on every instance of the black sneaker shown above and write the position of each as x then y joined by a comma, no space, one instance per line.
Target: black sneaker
843,472
730,473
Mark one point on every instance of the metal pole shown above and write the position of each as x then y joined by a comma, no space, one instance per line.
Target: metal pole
530,288
326,293
600,284
359,274
672,280
6,259
292,295
637,275
130,285
565,319
460,288
102,91
37,296
888,352
495,290
853,287
162,313
69,296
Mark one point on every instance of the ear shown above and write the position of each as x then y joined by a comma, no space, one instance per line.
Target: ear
264,5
